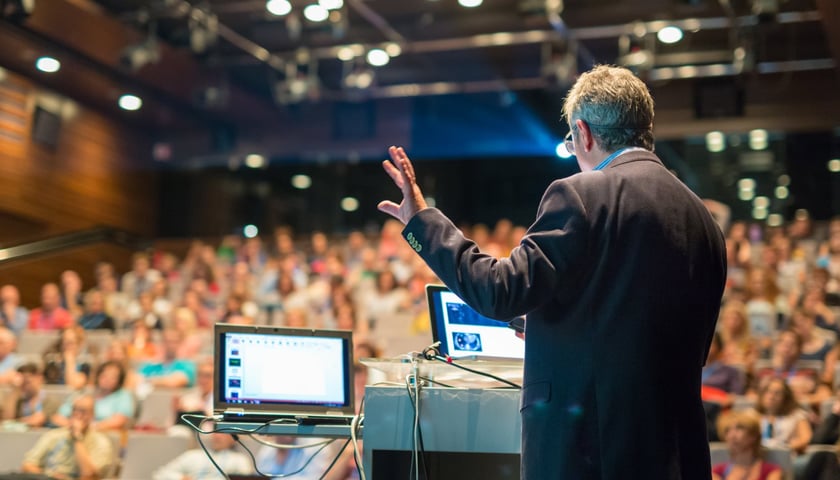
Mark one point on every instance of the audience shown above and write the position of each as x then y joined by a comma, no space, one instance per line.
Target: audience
162,311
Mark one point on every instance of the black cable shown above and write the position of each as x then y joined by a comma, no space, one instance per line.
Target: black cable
207,452
284,475
358,431
437,383
335,459
420,435
450,361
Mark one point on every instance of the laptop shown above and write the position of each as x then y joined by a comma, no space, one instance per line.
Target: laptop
266,373
463,333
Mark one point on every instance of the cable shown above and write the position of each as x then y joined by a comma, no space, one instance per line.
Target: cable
207,452
335,459
355,425
416,441
432,353
419,430
284,475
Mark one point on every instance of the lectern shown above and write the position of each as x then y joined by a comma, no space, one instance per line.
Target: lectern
466,432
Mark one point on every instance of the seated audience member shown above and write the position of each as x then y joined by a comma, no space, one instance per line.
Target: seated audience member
71,292
50,315
185,322
295,462
786,351
143,310
200,398
817,345
27,403
94,317
742,433
721,382
140,278
823,465
783,422
114,405
68,361
194,464
117,351
141,347
828,430
739,347
9,360
12,314
75,451
170,371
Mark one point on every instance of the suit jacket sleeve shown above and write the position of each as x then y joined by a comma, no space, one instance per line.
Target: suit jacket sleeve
503,288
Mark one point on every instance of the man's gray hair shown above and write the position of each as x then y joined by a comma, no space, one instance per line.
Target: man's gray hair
615,104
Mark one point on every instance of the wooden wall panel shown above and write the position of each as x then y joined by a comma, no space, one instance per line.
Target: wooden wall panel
99,173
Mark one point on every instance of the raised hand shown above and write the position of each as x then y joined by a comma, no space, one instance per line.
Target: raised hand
401,172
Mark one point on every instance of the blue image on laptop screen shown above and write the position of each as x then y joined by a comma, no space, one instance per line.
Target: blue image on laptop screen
265,369
463,332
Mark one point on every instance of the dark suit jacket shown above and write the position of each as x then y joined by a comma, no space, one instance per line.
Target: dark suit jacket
621,277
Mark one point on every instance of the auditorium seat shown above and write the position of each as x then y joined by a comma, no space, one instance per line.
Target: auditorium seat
15,445
35,341
157,410
147,452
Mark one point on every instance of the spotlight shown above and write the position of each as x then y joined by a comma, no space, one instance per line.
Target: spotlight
204,30
278,7
130,102
378,57
47,64
669,34
135,57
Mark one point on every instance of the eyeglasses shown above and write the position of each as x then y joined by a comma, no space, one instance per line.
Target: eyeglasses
570,145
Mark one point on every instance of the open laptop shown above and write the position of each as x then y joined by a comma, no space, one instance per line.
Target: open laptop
464,333
266,373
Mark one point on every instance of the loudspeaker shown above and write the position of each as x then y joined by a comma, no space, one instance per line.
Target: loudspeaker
46,127
718,98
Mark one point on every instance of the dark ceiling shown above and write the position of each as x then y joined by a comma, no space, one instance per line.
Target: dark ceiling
767,62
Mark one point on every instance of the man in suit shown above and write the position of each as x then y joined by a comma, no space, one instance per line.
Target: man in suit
620,276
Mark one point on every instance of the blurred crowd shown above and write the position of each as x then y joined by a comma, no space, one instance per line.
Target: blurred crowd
770,383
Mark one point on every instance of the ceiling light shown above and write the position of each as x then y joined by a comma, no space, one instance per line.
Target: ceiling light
746,195
761,202
746,184
316,13
783,180
349,204
47,64
255,160
393,49
782,192
759,213
758,139
378,57
301,181
715,142
130,102
346,54
331,4
834,165
278,7
250,231
775,220
670,34
470,3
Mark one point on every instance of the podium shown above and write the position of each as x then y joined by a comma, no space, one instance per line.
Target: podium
466,432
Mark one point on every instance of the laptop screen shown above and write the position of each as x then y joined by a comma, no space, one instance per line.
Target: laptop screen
463,332
266,370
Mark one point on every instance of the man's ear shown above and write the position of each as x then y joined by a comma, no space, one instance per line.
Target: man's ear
585,135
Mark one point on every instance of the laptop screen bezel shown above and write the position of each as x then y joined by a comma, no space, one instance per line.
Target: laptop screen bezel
221,404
